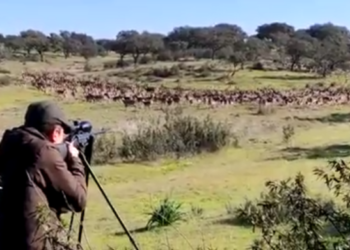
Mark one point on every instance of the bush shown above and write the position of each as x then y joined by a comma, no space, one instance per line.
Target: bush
245,212
4,71
145,60
240,215
288,132
201,53
32,58
167,213
258,66
165,56
123,63
105,149
179,135
110,64
5,80
281,213
102,52
291,219
87,66
163,72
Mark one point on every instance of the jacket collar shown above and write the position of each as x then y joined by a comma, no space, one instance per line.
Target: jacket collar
33,131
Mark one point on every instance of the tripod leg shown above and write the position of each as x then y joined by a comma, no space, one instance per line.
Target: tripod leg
81,226
70,226
85,157
82,216
132,241
86,160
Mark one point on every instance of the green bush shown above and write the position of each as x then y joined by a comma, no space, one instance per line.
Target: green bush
178,136
105,149
289,218
246,213
167,213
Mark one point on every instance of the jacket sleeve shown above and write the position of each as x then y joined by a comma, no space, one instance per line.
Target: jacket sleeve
2,159
69,181
3,154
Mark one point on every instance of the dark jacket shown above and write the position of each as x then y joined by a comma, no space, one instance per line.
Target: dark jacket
37,187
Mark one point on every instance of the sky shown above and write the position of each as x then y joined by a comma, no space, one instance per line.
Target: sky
105,18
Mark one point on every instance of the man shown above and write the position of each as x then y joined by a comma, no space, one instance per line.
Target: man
38,185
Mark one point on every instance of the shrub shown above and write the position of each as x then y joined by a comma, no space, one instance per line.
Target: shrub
4,71
291,219
163,72
288,132
32,58
164,56
258,66
205,68
280,213
245,212
102,52
197,211
5,80
145,60
146,144
87,66
105,149
110,64
240,215
168,212
179,135
200,53
123,63
183,66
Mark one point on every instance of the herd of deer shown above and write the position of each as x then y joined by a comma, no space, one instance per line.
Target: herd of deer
93,89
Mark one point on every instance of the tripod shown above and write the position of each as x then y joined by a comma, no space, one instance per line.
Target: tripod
86,156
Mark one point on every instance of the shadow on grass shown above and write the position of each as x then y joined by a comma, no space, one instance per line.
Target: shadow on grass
134,231
290,77
331,118
324,152
232,221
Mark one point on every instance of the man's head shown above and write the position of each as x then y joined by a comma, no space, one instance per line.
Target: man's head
48,119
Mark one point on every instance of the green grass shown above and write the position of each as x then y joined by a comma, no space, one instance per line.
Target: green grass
208,181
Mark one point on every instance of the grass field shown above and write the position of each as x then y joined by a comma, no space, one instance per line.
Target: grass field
208,185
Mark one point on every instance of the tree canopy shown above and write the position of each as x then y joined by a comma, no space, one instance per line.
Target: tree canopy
320,47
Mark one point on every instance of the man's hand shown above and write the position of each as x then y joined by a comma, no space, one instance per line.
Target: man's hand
72,150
